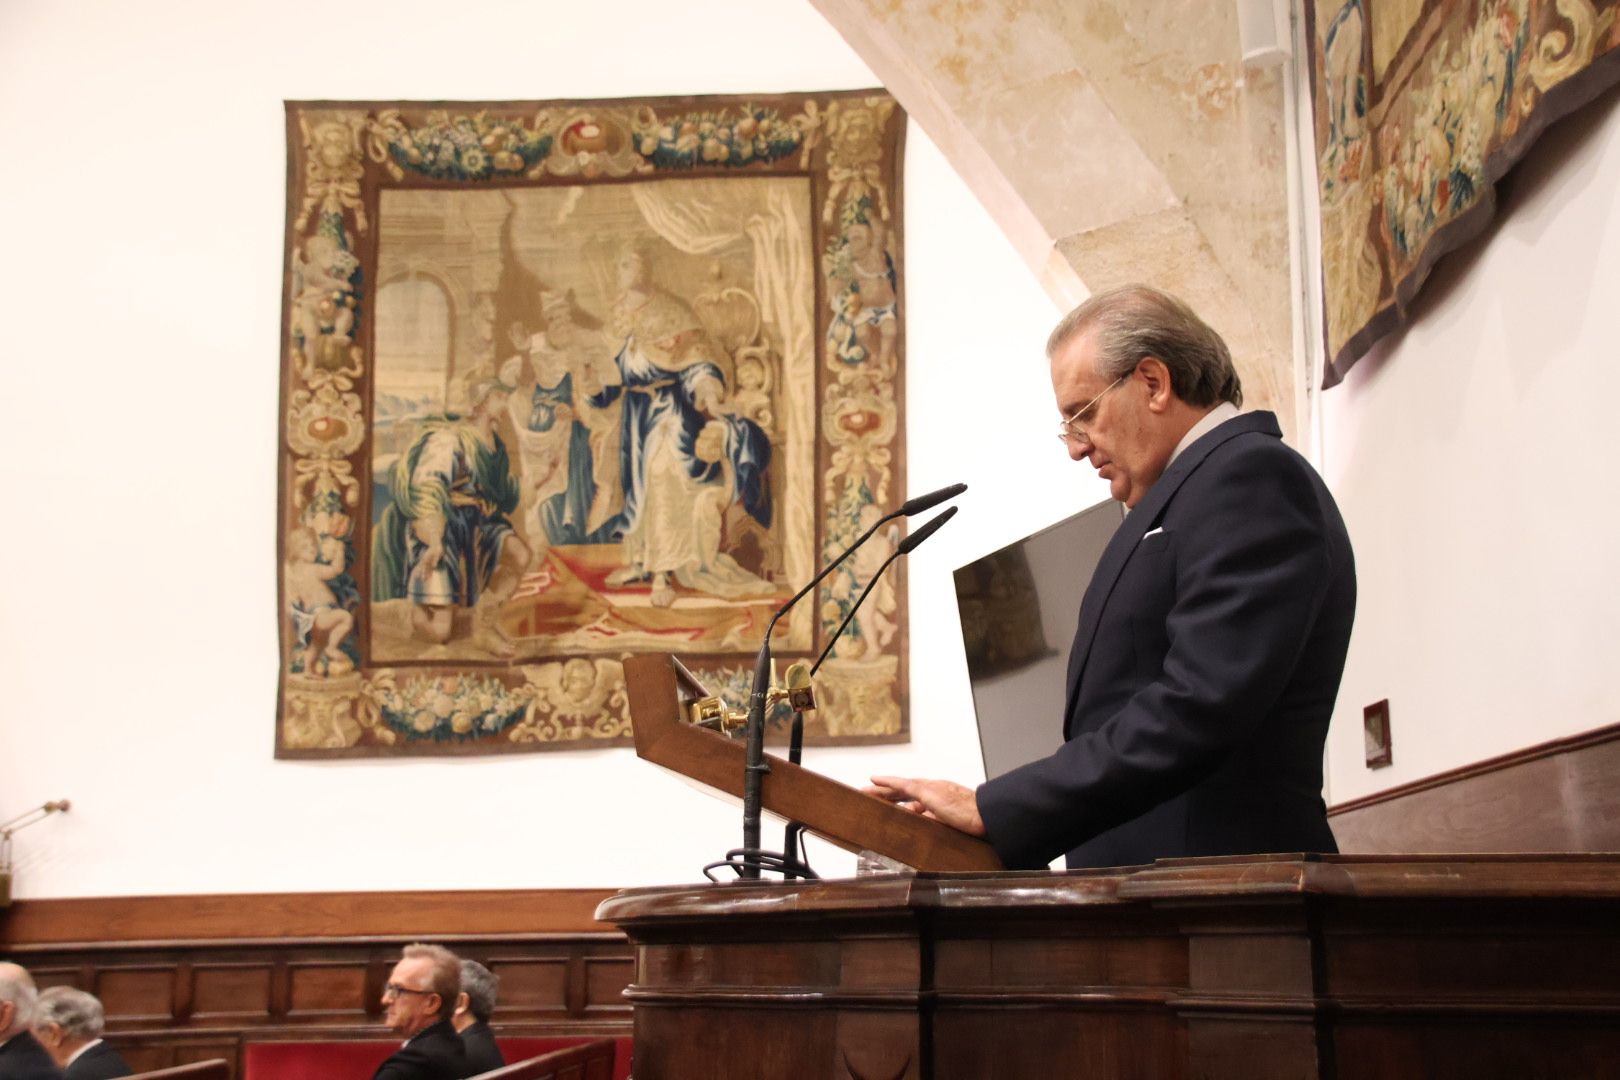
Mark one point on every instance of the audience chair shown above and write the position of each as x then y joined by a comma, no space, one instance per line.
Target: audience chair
592,1061
212,1069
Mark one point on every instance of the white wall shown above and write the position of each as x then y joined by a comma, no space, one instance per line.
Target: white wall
140,295
1473,458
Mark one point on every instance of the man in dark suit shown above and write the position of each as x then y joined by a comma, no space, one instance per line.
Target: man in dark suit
1213,635
473,1010
68,1024
419,1000
21,1056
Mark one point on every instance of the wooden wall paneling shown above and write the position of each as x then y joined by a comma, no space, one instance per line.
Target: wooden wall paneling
230,991
327,989
575,993
1562,795
136,993
531,986
147,1053
603,982
280,990
190,978
181,990
144,1056
61,975
284,917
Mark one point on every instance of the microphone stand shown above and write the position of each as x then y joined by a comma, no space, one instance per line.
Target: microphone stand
793,866
755,767
750,857
790,836
749,860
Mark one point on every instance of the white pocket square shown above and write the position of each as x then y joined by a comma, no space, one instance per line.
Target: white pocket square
1153,532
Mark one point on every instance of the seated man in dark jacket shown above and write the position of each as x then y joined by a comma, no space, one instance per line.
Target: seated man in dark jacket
68,1025
21,1056
473,1011
420,998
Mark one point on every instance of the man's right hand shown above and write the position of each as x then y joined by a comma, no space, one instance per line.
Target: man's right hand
953,804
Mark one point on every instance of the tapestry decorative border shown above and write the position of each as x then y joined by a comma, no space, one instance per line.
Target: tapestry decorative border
564,382
1421,106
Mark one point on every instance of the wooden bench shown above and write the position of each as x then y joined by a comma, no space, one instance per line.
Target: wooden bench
212,1069
323,1060
592,1061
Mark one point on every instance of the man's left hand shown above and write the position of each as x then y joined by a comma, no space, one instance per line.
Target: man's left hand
953,804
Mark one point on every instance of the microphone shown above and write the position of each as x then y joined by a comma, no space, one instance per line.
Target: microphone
905,547
755,766
906,509
929,501
914,541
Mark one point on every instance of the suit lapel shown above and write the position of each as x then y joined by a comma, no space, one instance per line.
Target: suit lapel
1145,516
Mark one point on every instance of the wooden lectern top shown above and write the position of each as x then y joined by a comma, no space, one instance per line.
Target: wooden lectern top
661,688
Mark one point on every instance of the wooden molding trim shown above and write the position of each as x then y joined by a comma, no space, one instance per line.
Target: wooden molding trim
1560,795
284,917
1565,745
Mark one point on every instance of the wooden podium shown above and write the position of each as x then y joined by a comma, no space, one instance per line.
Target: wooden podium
1286,967
1264,968
660,689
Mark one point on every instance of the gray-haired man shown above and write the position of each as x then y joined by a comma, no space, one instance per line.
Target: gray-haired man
69,1025
473,1010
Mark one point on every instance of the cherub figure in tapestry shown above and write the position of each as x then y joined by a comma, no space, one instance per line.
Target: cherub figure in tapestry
752,398
445,541
320,620
568,444
672,384
862,291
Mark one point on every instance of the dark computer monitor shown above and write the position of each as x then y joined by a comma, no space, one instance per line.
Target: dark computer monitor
1019,607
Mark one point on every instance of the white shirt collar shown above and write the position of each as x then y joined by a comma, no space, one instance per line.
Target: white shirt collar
79,1052
1211,420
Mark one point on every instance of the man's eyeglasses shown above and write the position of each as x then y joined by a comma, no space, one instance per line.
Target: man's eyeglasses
394,990
1073,426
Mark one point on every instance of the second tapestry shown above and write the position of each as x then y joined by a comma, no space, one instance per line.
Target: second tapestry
565,383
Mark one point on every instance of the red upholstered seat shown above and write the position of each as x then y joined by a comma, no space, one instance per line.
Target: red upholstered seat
358,1060
314,1060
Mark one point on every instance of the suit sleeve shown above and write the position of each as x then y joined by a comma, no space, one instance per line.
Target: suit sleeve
1251,570
404,1064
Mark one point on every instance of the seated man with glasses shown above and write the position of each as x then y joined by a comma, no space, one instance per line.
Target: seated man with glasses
1213,634
419,1000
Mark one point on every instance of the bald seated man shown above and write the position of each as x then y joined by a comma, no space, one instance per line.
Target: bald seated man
69,1025
1212,636
419,1001
21,1056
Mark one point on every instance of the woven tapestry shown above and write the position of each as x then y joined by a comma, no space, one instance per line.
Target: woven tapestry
1420,107
565,382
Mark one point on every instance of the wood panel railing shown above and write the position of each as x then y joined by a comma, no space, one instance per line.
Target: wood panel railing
186,978
1562,795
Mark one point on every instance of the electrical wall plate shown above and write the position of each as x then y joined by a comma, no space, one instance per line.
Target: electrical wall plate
1375,725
